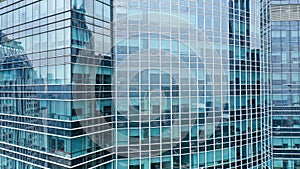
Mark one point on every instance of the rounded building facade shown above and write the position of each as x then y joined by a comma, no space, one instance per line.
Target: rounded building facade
191,84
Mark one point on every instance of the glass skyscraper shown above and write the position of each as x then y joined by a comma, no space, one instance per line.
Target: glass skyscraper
286,83
192,84
135,84
55,84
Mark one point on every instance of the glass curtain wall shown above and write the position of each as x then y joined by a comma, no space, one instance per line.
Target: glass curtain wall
192,84
55,68
285,83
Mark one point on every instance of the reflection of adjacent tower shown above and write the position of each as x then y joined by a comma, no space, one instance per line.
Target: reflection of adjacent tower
249,69
241,66
91,83
64,41
20,97
86,53
14,82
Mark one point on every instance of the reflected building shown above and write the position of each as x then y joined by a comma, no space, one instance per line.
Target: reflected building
134,84
16,75
55,84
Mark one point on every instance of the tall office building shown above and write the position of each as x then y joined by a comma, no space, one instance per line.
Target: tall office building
192,84
285,16
135,84
55,83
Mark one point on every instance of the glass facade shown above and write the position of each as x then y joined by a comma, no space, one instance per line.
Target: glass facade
134,84
192,84
55,83
285,84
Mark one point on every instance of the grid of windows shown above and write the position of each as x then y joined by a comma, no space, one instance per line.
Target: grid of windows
285,87
223,121
55,70
168,84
